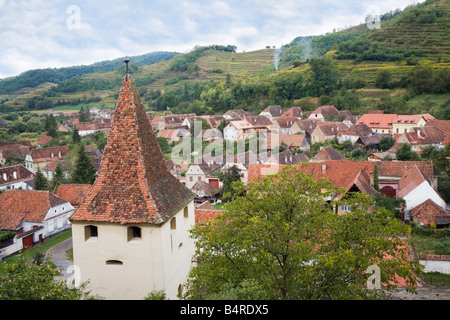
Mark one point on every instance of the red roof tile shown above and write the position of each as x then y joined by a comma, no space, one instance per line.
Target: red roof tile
375,121
30,205
133,184
428,212
73,193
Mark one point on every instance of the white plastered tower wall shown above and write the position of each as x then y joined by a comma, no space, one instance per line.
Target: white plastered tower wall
121,269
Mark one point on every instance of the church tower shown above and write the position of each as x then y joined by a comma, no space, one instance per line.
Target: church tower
130,233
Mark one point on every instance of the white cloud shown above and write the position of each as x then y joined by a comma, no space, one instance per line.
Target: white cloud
34,33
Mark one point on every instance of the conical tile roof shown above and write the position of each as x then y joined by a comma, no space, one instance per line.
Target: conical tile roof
133,184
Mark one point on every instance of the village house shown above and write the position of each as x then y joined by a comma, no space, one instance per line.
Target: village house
283,125
214,120
415,188
88,128
371,142
44,140
14,152
293,112
324,113
405,123
15,177
202,170
353,133
130,233
391,172
428,213
327,131
272,112
236,114
73,193
205,192
305,127
242,129
327,153
171,121
422,137
378,122
173,135
352,176
39,158
293,142
33,215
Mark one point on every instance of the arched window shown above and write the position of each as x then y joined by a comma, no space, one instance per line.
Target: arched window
134,233
173,224
186,212
90,232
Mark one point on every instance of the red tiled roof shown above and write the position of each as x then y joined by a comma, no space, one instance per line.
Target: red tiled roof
47,154
21,173
341,173
374,120
45,139
400,168
444,125
428,212
328,153
73,193
410,180
30,205
133,184
294,112
203,216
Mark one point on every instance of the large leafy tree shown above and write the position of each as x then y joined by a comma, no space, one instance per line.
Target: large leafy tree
26,279
283,240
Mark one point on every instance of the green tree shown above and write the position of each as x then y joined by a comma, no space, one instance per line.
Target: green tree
40,181
324,75
51,126
35,280
75,136
386,142
404,153
57,177
228,177
282,240
384,79
84,171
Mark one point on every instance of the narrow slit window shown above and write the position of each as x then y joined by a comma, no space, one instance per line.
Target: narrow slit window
134,233
114,263
90,232
186,212
173,224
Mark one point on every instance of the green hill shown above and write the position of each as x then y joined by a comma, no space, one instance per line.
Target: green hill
403,66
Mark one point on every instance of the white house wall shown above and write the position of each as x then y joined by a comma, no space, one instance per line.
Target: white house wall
421,193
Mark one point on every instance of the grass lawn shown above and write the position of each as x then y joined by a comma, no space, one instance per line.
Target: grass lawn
431,245
437,279
43,247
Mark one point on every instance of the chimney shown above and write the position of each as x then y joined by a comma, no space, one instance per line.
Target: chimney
418,133
59,154
15,174
372,179
324,167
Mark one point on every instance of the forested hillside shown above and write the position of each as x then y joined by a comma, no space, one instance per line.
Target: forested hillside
403,66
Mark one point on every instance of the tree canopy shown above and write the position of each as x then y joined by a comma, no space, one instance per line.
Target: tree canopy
282,240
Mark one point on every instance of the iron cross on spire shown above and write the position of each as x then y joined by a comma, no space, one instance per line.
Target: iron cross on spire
126,63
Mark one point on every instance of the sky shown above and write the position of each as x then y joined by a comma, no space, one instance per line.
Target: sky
38,34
